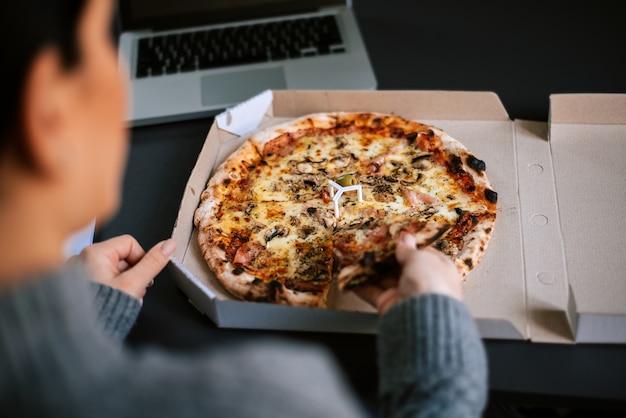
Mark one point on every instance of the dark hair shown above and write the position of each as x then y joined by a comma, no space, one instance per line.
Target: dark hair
26,27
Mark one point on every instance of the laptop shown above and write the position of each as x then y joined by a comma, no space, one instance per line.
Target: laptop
191,58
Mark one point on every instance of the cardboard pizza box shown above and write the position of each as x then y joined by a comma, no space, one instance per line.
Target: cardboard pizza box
554,269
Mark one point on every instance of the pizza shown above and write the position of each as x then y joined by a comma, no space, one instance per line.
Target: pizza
322,200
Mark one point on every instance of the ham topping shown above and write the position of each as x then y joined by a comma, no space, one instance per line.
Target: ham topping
415,198
247,252
373,166
281,146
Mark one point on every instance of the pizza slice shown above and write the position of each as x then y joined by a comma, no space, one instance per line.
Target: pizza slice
366,252
278,252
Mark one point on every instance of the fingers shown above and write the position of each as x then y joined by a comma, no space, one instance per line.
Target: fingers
128,248
429,271
122,263
387,299
368,293
405,248
381,298
422,271
371,292
142,273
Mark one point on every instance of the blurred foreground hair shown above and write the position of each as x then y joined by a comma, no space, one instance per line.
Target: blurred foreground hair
26,28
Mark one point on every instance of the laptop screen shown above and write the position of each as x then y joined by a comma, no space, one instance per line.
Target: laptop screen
159,14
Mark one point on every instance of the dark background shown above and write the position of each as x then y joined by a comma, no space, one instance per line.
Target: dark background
523,51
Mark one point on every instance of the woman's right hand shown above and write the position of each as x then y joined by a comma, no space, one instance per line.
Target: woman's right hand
422,271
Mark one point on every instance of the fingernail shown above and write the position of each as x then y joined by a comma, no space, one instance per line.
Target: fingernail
168,247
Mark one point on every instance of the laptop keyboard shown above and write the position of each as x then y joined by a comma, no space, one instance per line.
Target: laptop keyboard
238,45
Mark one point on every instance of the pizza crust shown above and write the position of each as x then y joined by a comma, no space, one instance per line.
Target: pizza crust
474,243
232,169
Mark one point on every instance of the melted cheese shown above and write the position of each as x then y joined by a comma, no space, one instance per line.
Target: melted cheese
282,229
292,209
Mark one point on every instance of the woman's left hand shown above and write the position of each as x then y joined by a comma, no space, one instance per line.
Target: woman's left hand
123,264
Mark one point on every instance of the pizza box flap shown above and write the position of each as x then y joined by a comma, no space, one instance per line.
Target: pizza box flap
588,145
588,108
448,105
546,290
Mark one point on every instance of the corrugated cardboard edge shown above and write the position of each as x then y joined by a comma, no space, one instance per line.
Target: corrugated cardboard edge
593,121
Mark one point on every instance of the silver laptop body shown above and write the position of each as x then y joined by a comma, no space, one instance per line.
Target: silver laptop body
167,85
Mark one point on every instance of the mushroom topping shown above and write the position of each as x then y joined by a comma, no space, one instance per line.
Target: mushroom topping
341,161
404,175
319,163
408,182
304,168
312,181
276,231
341,142
422,162
325,217
307,166
428,212
249,208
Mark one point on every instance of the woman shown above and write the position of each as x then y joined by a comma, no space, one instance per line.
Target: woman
62,152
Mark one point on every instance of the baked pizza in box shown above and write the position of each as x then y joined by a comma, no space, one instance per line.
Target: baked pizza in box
323,199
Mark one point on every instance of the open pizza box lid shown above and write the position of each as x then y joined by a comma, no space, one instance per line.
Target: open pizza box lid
553,271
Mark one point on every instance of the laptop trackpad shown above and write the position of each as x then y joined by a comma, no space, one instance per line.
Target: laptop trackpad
237,86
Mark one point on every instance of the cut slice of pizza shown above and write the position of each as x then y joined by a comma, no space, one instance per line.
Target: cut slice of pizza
366,252
278,252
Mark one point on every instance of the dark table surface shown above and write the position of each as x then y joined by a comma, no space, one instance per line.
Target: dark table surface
523,51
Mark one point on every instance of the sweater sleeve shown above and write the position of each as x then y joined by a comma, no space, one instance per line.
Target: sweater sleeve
56,361
431,360
115,310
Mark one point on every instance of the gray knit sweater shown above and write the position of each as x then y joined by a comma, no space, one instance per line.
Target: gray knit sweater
60,357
